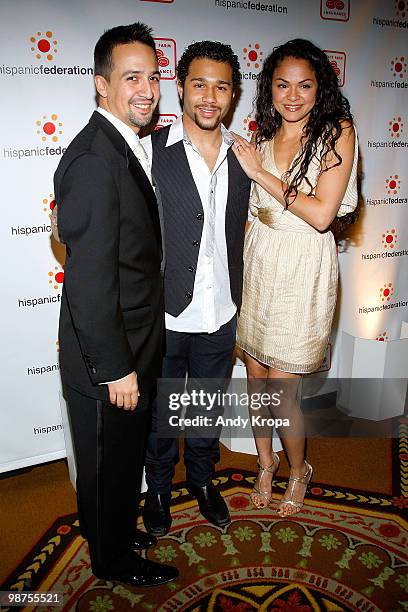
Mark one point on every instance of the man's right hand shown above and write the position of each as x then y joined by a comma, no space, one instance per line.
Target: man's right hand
54,223
125,393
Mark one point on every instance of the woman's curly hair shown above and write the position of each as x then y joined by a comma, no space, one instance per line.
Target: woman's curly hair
324,125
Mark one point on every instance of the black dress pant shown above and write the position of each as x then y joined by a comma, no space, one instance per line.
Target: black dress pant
198,355
109,445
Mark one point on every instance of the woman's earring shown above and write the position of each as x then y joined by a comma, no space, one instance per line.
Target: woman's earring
272,110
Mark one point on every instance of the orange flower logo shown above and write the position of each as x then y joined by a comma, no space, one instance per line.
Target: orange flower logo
43,45
399,67
56,277
253,56
49,128
393,184
401,8
386,292
49,204
395,127
389,239
249,125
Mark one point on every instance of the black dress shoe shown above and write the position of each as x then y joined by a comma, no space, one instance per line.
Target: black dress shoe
142,540
139,572
156,513
211,504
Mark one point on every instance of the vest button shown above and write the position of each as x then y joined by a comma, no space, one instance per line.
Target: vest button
195,243
190,268
200,216
189,295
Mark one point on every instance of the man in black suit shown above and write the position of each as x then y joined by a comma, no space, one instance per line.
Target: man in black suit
205,195
111,320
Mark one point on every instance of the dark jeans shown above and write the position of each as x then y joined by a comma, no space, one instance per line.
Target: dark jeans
199,356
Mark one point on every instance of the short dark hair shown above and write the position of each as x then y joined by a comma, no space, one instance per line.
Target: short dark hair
120,35
216,51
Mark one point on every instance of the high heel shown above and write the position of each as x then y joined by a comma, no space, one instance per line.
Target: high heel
256,493
297,504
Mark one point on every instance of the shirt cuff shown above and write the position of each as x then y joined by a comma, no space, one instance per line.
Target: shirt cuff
110,382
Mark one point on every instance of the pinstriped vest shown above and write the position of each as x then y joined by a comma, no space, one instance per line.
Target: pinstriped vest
183,218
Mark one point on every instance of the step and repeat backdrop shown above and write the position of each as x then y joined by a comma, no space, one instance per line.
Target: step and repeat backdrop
46,79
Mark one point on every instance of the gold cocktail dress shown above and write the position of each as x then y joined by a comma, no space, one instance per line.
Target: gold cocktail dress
290,278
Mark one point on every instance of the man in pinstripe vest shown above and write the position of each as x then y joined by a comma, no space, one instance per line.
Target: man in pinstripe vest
204,197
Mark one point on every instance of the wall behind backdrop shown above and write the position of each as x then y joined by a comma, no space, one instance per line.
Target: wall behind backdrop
48,95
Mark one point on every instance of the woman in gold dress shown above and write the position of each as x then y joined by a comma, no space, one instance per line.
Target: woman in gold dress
303,164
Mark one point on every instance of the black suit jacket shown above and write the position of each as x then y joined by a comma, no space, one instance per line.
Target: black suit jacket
184,217
111,319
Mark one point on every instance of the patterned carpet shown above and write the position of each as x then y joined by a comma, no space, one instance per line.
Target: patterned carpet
346,550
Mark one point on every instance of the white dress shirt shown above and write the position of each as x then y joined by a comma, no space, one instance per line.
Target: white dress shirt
134,143
211,305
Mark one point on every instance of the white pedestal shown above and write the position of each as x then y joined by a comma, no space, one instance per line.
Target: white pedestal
230,436
385,364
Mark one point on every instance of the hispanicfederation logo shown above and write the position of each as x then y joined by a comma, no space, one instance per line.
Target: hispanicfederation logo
383,303
398,67
382,337
166,58
338,10
43,51
44,46
49,128
395,128
397,21
389,241
338,62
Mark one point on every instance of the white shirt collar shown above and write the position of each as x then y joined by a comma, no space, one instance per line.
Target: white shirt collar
128,134
177,133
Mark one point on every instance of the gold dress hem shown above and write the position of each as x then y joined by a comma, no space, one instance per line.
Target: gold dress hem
278,364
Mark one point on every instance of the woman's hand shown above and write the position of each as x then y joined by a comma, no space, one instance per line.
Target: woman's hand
248,156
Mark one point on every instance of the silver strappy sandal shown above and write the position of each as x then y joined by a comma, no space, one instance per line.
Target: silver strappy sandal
262,499
293,480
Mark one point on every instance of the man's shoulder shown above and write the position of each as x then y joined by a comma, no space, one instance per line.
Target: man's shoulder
91,141
87,139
